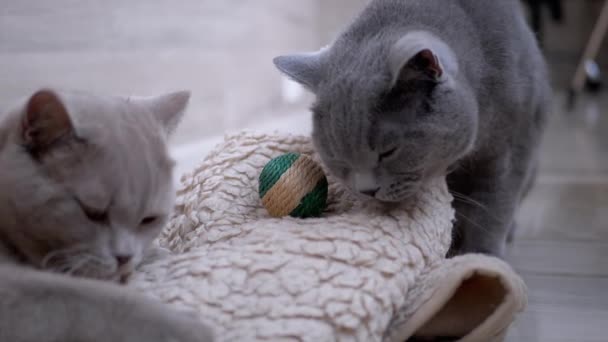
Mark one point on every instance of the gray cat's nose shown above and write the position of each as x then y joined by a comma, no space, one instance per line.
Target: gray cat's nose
371,192
365,183
123,259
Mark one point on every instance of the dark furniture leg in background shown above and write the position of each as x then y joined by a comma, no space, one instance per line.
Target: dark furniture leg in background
536,14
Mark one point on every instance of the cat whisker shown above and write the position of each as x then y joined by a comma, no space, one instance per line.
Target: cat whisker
77,260
61,253
468,200
481,228
461,167
477,225
80,264
98,267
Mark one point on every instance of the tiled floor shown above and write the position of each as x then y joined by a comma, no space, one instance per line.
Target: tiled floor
222,50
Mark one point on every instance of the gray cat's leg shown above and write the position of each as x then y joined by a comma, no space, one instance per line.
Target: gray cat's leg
42,307
483,223
487,196
512,231
529,183
485,204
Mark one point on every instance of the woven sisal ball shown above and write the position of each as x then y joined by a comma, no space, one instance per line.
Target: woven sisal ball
295,185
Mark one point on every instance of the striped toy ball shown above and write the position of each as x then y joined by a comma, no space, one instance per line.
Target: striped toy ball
293,184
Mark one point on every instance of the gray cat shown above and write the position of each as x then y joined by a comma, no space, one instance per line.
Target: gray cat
414,89
86,186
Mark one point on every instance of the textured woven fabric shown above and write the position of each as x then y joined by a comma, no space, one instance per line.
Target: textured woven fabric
359,273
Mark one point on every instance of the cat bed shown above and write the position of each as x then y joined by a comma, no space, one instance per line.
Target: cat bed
359,273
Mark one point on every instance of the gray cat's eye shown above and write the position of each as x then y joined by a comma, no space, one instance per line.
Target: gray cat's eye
389,153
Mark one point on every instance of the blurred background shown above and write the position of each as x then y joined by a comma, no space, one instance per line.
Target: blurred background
222,52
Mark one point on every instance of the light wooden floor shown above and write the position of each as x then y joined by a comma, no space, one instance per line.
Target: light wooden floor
562,245
222,51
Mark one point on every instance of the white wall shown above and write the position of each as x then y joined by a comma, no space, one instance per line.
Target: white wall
222,50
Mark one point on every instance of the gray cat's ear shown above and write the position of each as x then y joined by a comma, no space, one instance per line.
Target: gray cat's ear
306,69
169,109
424,65
420,55
45,120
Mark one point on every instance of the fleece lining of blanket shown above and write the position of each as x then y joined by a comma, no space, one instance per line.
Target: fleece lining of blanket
359,273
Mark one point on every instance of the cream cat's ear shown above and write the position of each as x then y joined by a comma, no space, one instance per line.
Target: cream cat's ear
421,55
45,120
306,69
168,109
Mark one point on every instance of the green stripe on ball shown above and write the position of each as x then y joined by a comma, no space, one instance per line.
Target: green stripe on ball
274,169
314,203
295,185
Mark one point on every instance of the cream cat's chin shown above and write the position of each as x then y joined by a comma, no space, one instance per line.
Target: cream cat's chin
88,266
88,262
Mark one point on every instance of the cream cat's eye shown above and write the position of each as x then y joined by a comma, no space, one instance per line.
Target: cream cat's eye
96,216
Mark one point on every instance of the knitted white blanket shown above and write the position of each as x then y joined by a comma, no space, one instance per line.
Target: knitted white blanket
357,274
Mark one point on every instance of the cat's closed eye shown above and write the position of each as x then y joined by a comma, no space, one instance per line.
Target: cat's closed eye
95,215
388,154
149,220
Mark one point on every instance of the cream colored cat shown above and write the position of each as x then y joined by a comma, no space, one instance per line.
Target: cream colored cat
85,186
